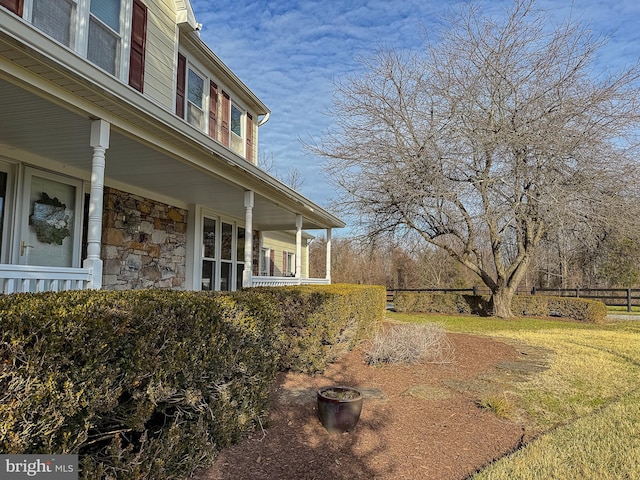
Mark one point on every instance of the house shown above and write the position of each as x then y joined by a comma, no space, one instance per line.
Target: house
128,157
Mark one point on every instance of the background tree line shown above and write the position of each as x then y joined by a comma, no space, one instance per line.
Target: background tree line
505,143
612,261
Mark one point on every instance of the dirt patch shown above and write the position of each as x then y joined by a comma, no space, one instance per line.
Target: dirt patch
419,421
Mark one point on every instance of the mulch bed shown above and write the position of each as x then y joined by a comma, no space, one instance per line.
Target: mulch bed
417,422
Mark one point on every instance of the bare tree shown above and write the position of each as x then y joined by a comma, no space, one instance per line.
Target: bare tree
292,177
486,140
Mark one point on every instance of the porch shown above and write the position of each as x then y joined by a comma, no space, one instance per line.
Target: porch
27,278
72,138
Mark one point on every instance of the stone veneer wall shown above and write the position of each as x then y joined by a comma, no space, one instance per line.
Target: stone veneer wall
143,243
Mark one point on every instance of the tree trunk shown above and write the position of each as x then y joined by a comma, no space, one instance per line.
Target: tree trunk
502,302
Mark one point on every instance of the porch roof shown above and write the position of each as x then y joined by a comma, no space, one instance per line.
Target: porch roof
49,95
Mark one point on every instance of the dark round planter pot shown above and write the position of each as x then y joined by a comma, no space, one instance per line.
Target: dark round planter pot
339,408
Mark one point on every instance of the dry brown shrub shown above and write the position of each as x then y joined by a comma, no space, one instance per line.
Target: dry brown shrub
426,343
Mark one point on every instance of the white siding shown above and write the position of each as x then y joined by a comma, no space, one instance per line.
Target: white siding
161,51
284,242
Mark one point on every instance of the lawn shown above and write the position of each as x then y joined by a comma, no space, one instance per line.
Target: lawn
583,412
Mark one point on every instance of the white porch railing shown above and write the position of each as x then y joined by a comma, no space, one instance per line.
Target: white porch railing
259,281
27,278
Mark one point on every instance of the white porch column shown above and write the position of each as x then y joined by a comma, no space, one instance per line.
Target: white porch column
328,259
247,274
298,246
100,131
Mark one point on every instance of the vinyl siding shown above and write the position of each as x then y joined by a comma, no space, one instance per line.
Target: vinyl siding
160,56
284,242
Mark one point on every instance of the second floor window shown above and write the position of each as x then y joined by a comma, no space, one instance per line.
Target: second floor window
202,104
236,120
95,29
195,99
56,19
104,36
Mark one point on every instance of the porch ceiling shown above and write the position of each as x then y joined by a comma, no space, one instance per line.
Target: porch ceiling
59,138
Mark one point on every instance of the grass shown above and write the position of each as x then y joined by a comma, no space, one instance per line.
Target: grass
500,405
635,310
583,412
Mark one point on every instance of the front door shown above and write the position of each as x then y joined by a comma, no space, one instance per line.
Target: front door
51,220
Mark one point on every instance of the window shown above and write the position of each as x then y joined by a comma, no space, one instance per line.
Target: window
55,19
236,120
240,241
208,253
201,103
191,89
236,128
95,30
226,257
104,34
265,262
288,264
195,99
222,255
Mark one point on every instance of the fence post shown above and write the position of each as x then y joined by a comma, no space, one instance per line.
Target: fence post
577,292
628,299
533,290
475,291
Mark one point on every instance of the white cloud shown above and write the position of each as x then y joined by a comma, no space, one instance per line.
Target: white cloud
290,52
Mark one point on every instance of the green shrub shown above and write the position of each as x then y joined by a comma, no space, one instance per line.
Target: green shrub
322,322
149,384
447,303
133,381
580,309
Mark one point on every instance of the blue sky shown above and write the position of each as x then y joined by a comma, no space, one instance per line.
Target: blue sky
289,53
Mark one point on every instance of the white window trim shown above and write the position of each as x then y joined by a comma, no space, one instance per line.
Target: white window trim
289,269
199,257
265,262
9,205
242,119
206,85
80,43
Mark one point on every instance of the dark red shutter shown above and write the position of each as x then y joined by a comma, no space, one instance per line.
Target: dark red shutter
14,5
181,82
138,41
213,110
226,117
249,152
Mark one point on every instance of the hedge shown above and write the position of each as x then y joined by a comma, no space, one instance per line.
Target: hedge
149,384
321,323
581,309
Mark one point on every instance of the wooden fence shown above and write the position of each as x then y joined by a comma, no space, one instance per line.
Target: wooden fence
613,297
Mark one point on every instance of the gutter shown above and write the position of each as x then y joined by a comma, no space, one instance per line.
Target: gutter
264,119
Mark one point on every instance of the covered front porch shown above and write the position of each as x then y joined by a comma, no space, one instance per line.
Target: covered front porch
27,278
189,211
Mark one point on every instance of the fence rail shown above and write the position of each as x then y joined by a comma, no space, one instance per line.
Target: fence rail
263,281
26,278
613,297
